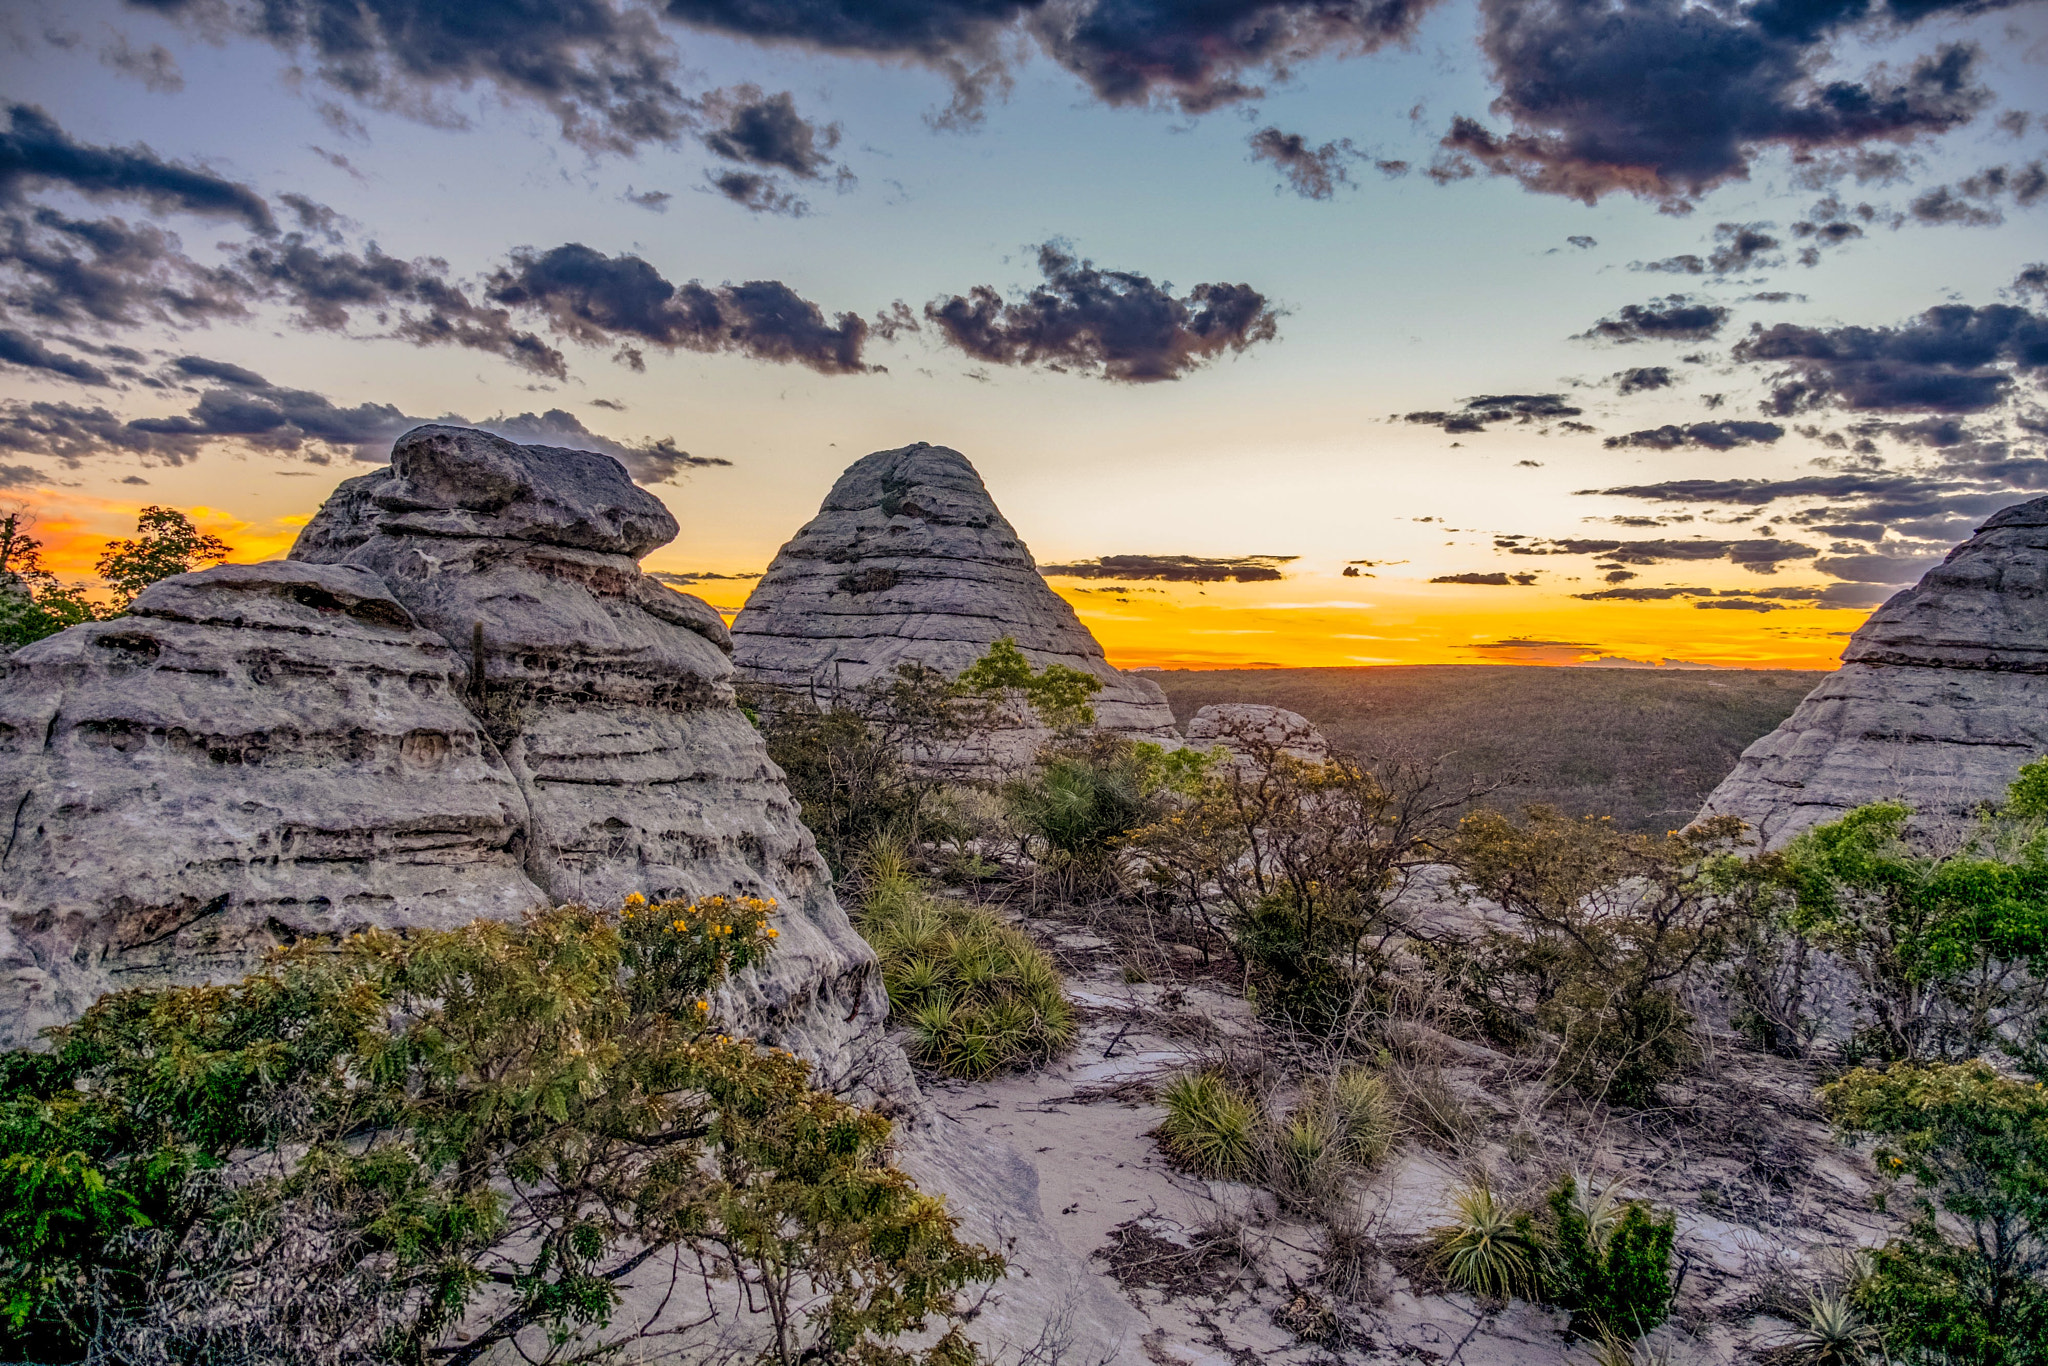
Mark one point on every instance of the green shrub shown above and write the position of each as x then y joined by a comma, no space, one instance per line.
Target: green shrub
1975,1146
447,1144
1210,1124
1488,1249
1830,1333
1308,1159
978,995
1609,1262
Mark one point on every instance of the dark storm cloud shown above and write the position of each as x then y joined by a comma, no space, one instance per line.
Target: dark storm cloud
426,306
1761,555
35,153
1113,324
1642,379
1676,317
1128,51
1176,568
1312,172
603,69
58,269
766,130
1950,359
613,299
1488,580
18,348
1713,436
1486,408
1665,100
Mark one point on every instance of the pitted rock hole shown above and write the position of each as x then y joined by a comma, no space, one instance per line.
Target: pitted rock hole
425,748
132,647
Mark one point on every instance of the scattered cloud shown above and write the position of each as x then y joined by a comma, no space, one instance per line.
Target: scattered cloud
1488,580
602,299
1761,555
35,152
1311,172
1665,100
1115,325
1478,412
1953,358
1643,378
1713,436
1176,568
1676,317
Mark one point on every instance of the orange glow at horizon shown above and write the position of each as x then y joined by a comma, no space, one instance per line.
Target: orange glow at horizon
1321,621
74,531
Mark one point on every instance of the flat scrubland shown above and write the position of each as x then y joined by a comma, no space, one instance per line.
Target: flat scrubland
1644,746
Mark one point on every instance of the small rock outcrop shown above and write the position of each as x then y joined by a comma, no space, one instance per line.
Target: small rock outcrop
1243,724
1941,697
909,560
256,752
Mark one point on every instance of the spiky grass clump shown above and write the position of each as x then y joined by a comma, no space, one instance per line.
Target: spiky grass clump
1486,1250
1210,1124
1832,1334
978,995
1363,1111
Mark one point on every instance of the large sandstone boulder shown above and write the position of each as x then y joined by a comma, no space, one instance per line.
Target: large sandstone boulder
256,753
610,698
909,560
1941,697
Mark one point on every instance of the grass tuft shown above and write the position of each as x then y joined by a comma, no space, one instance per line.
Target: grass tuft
978,995
1210,1124
1486,1250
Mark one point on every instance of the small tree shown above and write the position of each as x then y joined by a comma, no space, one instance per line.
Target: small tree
1057,694
1609,1262
1949,948
33,604
1304,860
1975,1146
1612,926
435,1145
165,543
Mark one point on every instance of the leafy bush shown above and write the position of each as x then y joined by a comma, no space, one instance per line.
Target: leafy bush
166,543
1487,1249
978,995
1950,949
1609,1262
1210,1124
432,1145
33,604
1975,1146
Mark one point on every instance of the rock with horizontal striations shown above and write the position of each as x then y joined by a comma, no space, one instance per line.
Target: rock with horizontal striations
909,560
1941,697
1254,726
258,753
610,698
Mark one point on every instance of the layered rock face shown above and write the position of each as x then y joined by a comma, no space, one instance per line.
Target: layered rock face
258,752
909,560
458,697
610,698
1941,697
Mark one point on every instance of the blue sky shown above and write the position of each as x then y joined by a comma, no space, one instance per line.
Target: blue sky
1394,295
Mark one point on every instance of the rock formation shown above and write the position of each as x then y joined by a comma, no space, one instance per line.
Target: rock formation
459,697
256,750
909,560
1941,697
1255,723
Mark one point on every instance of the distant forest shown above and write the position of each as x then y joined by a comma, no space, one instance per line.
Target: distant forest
1644,746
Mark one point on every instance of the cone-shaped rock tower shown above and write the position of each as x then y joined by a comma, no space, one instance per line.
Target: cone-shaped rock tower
910,560
1941,696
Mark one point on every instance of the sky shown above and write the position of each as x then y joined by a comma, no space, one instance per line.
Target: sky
1286,332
